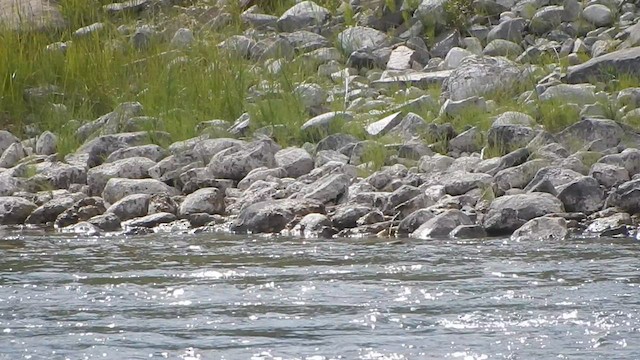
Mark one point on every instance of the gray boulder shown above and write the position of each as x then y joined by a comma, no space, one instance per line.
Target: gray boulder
314,226
117,188
327,189
14,153
27,15
546,19
626,197
130,168
626,61
46,144
131,206
609,175
510,29
468,232
151,151
385,124
509,212
479,75
414,220
556,176
295,161
582,195
207,200
441,225
589,130
598,15
541,229
460,182
150,221
105,222
236,163
362,38
274,215
323,122
346,216
301,15
6,139
519,176
49,211
14,210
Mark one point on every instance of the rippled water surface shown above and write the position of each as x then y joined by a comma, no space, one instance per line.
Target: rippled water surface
279,298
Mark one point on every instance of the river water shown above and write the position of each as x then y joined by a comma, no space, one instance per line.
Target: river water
214,296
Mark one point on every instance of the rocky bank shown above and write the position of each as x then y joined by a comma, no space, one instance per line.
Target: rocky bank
515,179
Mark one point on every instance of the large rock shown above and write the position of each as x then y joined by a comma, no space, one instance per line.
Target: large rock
131,168
328,188
479,75
274,215
511,29
542,228
626,197
362,38
303,14
12,155
235,163
207,200
509,212
432,12
598,15
49,211
31,15
295,161
151,151
131,206
117,188
546,19
460,182
6,140
14,210
626,61
441,225
588,130
582,195
46,144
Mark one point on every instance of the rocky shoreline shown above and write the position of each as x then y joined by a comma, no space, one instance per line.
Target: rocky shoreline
516,178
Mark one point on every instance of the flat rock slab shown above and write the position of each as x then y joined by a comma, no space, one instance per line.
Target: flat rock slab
418,79
625,61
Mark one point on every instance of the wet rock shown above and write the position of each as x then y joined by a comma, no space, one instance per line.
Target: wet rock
131,206
477,76
605,226
508,213
131,168
150,221
235,164
414,220
117,188
361,38
46,144
347,216
626,197
441,225
82,210
582,195
315,226
105,222
207,200
541,229
295,161
468,232
49,211
273,216
82,228
15,210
